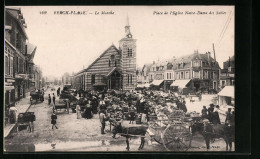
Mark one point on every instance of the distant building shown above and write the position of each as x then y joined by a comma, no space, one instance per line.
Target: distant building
227,76
115,68
67,79
195,71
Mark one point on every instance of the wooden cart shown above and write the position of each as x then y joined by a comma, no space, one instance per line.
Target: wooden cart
172,131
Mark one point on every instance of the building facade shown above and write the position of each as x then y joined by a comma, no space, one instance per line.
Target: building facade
195,71
19,56
115,68
227,76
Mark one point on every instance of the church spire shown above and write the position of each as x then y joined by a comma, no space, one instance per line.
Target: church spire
127,28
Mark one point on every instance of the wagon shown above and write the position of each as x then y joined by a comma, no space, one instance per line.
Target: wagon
171,130
62,104
36,96
24,120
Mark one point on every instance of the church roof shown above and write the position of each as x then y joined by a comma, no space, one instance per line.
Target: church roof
111,46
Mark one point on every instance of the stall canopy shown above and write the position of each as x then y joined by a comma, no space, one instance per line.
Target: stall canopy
227,91
157,82
146,85
180,83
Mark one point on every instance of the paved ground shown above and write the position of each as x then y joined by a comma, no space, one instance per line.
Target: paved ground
83,134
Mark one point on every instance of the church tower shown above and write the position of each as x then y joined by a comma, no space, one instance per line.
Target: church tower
127,46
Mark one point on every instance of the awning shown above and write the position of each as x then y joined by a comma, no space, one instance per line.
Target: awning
157,82
227,91
180,83
146,85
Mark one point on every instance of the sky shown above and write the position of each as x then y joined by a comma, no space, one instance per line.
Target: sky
69,43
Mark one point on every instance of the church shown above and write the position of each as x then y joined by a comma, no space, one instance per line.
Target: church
115,68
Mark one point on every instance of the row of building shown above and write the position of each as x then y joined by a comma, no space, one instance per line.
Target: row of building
21,74
116,68
196,72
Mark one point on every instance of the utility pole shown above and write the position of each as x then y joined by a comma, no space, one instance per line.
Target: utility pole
214,53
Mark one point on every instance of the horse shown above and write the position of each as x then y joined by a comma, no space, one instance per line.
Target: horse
212,131
128,132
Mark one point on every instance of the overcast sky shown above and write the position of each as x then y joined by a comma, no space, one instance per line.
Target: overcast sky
67,43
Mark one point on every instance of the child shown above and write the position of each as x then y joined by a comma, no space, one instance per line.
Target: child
53,120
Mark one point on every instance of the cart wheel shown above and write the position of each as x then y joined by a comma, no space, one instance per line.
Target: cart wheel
176,138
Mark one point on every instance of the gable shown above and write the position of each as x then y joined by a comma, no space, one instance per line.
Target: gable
101,64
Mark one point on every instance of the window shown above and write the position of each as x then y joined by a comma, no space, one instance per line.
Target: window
187,75
223,83
169,76
11,66
129,52
93,79
129,78
196,63
115,63
177,75
182,75
6,65
109,63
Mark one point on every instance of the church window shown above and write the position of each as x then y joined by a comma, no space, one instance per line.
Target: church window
129,52
93,79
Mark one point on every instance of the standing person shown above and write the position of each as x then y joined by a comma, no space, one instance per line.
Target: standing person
53,120
215,116
78,111
53,99
132,114
58,92
49,99
13,113
210,112
204,113
200,96
228,116
102,121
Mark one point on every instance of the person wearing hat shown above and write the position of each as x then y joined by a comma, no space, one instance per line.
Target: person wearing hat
215,116
210,112
53,120
204,113
228,116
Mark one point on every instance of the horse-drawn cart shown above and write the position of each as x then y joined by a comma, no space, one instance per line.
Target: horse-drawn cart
171,130
36,96
62,104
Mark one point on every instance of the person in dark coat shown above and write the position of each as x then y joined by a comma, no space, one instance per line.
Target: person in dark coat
228,116
183,107
210,112
53,98
53,120
88,112
49,99
204,113
215,116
